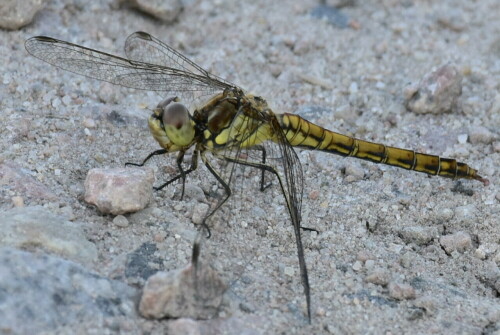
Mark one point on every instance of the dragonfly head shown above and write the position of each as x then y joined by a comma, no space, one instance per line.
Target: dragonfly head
176,121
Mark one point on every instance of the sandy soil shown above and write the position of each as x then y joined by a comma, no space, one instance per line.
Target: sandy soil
58,126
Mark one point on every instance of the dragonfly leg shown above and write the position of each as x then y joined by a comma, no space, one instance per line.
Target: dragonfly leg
262,180
309,229
296,223
154,153
226,187
183,173
179,160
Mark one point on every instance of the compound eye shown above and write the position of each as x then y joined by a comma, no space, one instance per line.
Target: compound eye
175,115
162,104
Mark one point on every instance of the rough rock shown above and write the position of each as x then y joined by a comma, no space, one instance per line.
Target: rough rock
119,191
16,14
37,228
195,292
480,134
166,11
438,92
401,291
47,294
459,241
22,183
251,325
418,235
378,277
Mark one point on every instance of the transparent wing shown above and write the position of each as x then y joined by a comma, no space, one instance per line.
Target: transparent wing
143,47
121,71
258,127
272,155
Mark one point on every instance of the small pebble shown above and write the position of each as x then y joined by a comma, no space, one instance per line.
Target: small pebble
480,134
406,260
120,221
357,266
444,215
107,93
459,241
66,100
289,271
56,103
462,138
16,14
467,214
401,291
378,277
418,235
199,213
160,236
17,201
354,172
369,264
119,190
314,194
353,88
363,256
438,92
89,123
428,303
166,11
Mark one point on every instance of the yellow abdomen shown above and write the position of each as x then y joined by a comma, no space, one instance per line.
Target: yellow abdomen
302,133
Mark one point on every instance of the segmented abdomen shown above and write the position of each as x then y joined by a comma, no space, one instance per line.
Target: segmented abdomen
302,133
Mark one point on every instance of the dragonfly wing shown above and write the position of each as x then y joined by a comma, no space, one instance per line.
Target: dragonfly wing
143,47
253,133
118,70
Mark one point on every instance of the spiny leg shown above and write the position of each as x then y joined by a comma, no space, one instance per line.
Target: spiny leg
183,174
264,167
226,187
179,160
154,153
262,186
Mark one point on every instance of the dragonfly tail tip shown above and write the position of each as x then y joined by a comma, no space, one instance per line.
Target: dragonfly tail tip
485,181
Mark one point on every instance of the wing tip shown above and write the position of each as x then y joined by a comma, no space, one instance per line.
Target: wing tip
143,35
30,42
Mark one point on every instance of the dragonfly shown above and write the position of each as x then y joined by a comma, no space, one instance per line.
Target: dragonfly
232,126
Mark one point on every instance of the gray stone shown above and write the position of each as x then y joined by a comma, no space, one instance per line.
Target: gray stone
46,294
418,235
120,221
401,291
195,292
480,134
166,11
119,191
143,262
378,277
16,14
37,228
354,172
467,214
438,92
249,325
459,241
192,191
199,213
22,183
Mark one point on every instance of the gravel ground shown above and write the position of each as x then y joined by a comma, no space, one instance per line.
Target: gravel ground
397,251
